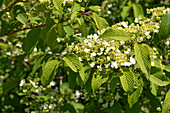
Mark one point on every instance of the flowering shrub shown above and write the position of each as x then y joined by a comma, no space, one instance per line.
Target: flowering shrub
61,56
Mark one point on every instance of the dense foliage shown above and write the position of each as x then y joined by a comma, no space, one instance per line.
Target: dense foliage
74,56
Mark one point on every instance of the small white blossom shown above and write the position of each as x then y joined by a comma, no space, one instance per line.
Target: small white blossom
132,60
152,63
147,33
77,94
114,65
22,82
52,83
86,50
92,64
92,54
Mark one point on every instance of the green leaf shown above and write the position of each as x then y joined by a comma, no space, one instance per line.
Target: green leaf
100,22
166,103
154,88
157,76
9,85
113,83
98,80
116,108
68,28
127,79
72,77
167,67
31,40
73,61
60,30
85,72
49,72
115,34
73,16
76,7
164,30
126,10
1,3
58,6
22,17
142,56
51,37
37,65
135,95
138,10
82,27
65,88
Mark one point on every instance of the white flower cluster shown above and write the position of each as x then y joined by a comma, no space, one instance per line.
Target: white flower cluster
102,53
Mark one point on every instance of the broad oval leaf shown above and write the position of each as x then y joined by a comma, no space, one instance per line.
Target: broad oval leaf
73,61
142,56
138,10
49,72
164,30
85,72
127,79
115,34
167,67
126,10
166,103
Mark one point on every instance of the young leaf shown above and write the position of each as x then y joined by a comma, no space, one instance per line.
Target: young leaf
68,29
98,81
58,6
49,72
142,56
138,10
85,72
127,79
21,17
164,30
154,88
76,7
134,96
31,40
115,34
73,16
166,103
1,3
73,61
82,27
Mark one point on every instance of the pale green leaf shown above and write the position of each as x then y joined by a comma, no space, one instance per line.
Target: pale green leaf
73,61
97,81
138,10
167,67
115,34
154,88
21,17
157,76
142,56
1,3
127,79
85,72
58,6
135,95
166,103
49,72
68,28
73,16
76,7
82,27
164,30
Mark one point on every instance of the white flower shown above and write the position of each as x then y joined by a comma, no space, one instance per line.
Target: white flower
85,41
92,54
147,33
77,94
80,59
152,63
86,50
90,45
51,106
109,12
122,42
52,83
114,65
45,106
92,64
27,110
136,20
127,63
124,24
132,60
24,90
95,36
22,82
108,58
158,108
167,43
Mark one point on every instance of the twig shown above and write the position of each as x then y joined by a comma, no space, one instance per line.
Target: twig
40,26
8,9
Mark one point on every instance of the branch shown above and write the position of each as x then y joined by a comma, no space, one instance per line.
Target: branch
40,26
8,9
